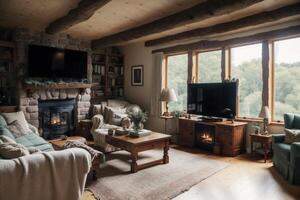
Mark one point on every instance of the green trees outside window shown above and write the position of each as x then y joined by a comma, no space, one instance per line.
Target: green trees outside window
287,77
177,78
246,65
209,66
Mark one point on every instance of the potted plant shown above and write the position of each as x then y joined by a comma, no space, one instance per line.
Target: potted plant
138,118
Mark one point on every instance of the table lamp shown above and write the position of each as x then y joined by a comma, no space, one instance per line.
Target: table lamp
168,95
266,115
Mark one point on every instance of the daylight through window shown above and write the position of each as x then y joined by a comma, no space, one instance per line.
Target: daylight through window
246,65
209,66
177,74
286,77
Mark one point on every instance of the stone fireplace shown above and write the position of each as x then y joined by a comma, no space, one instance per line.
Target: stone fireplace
62,108
29,98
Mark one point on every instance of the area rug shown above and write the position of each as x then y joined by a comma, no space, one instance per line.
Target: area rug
159,182
89,195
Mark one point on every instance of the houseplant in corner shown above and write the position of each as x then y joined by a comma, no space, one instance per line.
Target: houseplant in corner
138,118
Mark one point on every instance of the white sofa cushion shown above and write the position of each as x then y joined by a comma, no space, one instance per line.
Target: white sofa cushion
10,117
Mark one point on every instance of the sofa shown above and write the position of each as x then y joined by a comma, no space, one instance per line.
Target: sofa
45,174
110,114
286,157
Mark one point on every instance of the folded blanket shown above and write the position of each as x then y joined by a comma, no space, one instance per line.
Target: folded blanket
94,153
58,175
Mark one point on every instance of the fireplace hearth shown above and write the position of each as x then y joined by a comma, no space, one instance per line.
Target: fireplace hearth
205,136
56,118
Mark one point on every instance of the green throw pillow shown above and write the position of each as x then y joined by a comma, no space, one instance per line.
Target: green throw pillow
5,131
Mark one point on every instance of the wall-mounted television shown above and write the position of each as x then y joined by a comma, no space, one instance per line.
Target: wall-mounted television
49,62
211,99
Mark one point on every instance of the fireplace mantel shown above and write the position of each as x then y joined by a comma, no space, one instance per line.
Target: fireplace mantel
58,86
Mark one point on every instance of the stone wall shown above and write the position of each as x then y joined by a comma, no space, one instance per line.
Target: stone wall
28,99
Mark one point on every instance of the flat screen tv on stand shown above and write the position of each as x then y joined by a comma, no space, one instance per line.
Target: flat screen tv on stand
213,100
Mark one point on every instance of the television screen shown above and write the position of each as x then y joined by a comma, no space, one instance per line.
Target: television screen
49,62
211,99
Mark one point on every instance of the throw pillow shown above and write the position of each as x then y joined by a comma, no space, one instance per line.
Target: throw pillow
10,117
12,150
291,136
115,116
107,112
17,129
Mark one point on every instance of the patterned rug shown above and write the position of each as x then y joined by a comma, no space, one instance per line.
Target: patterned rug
89,195
158,182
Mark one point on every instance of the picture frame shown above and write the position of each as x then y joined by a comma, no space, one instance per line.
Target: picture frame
137,75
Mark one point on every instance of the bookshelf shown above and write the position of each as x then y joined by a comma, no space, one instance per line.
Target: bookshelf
7,74
107,76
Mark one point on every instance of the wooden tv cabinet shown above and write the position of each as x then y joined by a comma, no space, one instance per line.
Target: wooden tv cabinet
231,137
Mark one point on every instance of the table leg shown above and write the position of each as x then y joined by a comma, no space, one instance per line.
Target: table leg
134,156
166,149
266,147
251,145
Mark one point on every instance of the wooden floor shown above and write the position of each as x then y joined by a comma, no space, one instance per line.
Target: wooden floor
247,177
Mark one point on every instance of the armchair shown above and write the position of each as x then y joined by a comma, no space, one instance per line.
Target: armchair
109,114
286,157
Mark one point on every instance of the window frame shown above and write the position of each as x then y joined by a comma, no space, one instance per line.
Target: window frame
228,71
272,68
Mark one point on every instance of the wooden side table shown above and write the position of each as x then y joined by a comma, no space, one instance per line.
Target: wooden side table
166,119
84,128
264,140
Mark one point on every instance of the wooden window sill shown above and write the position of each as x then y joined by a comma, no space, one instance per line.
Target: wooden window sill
277,123
249,119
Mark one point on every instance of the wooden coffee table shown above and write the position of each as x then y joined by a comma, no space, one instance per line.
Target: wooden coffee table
136,145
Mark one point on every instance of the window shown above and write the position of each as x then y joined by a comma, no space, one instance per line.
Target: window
246,65
209,66
177,75
286,77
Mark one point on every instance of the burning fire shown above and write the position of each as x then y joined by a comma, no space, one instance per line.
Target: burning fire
206,137
55,120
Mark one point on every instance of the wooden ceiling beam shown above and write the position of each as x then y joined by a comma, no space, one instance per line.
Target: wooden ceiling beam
194,14
84,10
214,44
252,20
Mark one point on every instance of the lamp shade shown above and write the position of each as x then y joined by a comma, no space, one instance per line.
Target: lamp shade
265,113
168,94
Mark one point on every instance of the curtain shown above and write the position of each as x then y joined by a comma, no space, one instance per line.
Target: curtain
157,79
